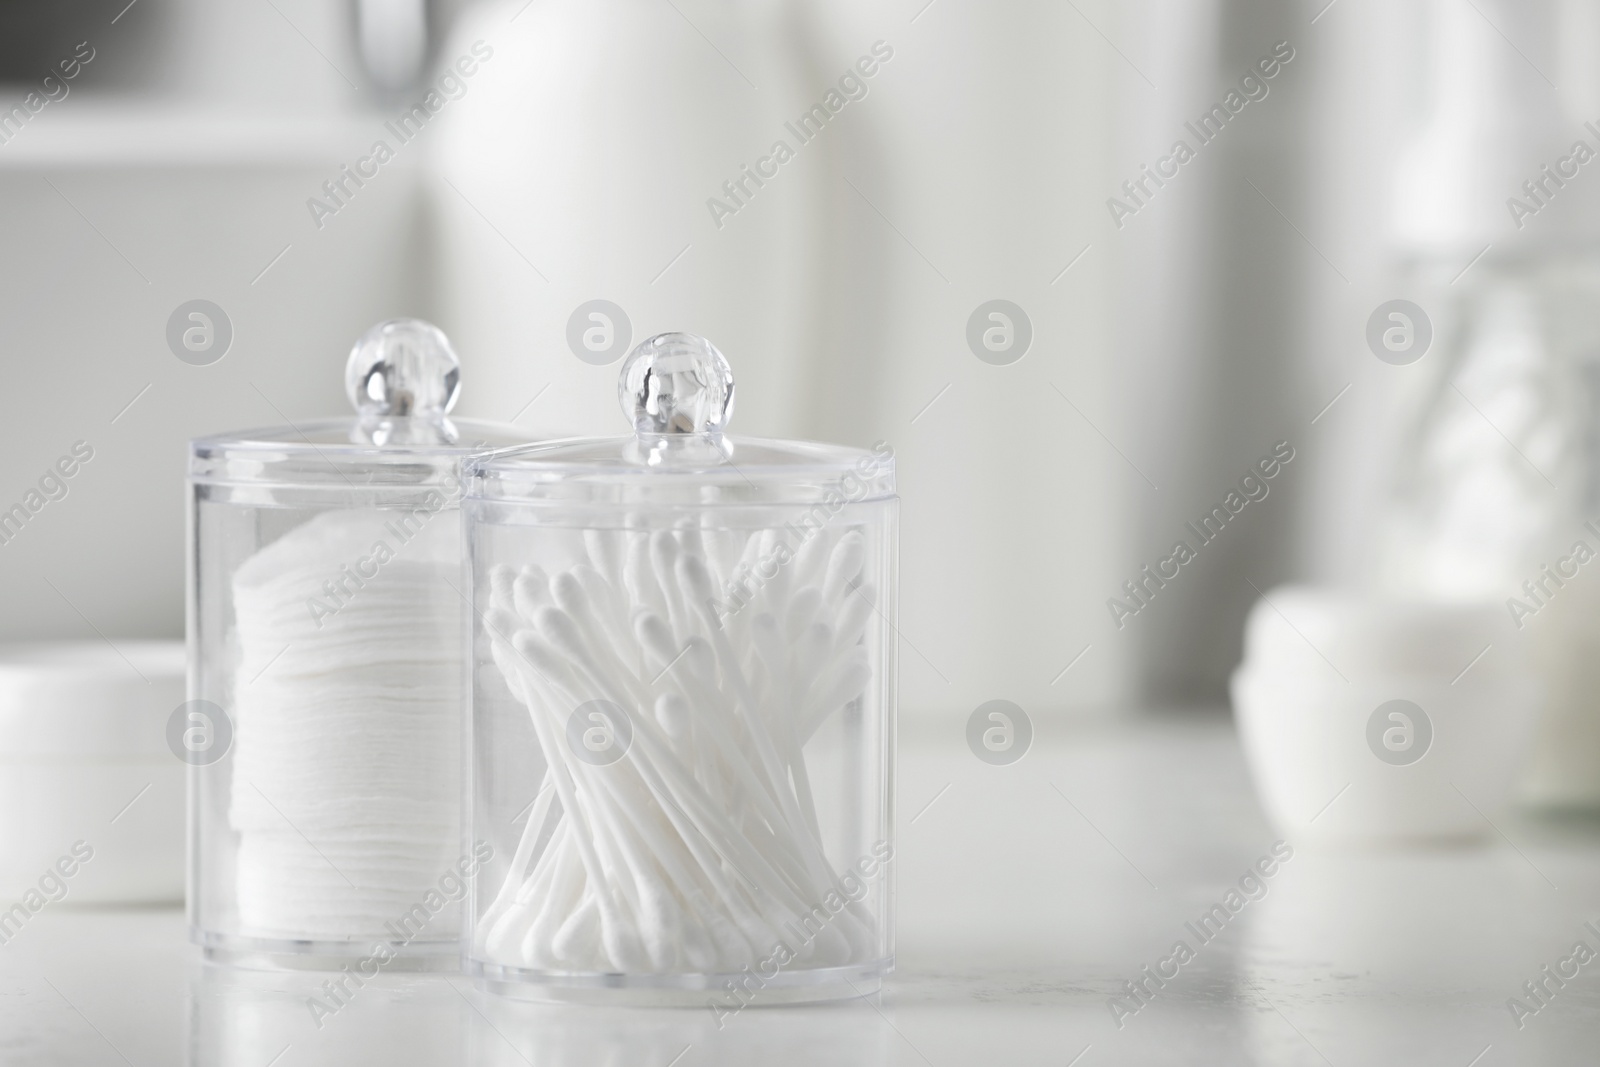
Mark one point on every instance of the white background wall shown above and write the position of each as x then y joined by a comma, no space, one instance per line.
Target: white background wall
177,167
841,293
974,169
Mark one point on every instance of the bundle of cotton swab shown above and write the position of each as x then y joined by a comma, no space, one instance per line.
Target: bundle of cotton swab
698,850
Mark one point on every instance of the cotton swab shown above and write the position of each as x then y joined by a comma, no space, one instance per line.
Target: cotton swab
697,848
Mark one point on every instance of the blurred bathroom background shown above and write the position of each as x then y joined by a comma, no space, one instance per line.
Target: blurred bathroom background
1181,328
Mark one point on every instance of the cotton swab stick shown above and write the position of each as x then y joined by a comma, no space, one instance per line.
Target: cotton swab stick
727,836
769,643
620,940
539,810
802,610
695,581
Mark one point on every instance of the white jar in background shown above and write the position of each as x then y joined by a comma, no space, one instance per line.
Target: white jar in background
1370,721
87,783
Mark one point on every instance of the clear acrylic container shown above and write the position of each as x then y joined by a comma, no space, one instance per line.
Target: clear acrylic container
326,618
682,727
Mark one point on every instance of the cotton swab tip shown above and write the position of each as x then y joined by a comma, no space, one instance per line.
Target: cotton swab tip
655,635
673,715
501,577
537,653
696,581
502,623
528,592
569,594
558,628
844,564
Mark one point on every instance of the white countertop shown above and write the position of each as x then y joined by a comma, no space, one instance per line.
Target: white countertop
1028,894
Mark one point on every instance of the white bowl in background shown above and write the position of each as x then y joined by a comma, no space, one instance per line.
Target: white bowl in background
1334,761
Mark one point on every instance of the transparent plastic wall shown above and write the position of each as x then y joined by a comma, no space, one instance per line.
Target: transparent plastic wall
334,809
681,744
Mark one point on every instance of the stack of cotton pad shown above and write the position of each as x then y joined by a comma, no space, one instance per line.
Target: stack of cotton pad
345,789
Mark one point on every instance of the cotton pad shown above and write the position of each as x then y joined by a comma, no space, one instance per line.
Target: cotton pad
346,778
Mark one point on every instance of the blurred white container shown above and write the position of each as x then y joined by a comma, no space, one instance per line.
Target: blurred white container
578,165
84,758
1370,721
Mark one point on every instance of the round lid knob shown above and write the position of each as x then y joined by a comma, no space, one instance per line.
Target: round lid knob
403,367
676,383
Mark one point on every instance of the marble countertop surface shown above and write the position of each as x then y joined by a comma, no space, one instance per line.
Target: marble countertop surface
1029,896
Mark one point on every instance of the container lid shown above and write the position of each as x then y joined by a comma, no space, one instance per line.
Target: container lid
402,378
677,391
1298,628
